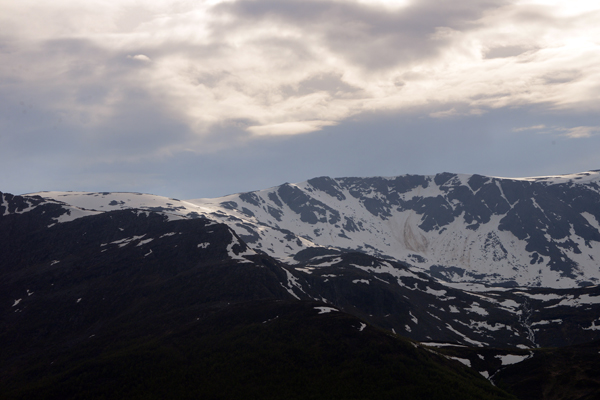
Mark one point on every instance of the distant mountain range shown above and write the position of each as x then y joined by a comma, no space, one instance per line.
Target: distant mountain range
494,267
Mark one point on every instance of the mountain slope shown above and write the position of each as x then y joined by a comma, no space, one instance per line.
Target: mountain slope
528,232
118,287
569,372
63,285
388,294
461,228
555,374
407,301
266,350
133,304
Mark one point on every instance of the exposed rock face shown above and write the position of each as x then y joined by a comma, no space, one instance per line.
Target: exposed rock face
463,228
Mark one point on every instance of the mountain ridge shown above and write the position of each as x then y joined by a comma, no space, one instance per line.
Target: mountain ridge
82,270
538,231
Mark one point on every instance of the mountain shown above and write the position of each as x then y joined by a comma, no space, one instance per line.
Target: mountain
501,269
461,228
141,304
541,232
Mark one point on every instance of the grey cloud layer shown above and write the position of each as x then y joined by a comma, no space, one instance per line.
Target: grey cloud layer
108,86
372,37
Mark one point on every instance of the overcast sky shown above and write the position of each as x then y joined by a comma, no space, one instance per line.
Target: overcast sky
198,98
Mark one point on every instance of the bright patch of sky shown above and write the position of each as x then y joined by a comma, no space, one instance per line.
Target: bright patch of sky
120,92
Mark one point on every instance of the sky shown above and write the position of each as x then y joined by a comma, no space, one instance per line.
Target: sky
192,99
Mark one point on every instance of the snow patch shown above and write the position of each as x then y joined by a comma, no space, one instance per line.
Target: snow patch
591,219
328,263
325,310
544,322
238,256
126,241
462,360
572,301
465,338
475,308
541,296
593,327
437,293
413,318
478,325
437,344
143,242
169,234
292,282
509,305
510,359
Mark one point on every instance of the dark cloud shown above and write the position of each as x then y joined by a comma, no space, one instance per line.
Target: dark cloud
72,103
506,51
136,128
366,35
329,82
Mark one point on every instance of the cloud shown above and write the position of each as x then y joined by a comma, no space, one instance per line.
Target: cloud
576,132
140,57
529,128
289,128
483,54
579,132
506,51
363,35
453,112
279,68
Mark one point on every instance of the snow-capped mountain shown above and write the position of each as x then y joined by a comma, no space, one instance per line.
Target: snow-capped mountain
465,264
150,243
527,232
542,231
